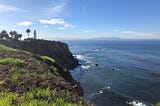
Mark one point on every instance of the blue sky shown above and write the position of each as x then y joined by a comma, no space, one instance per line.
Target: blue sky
83,19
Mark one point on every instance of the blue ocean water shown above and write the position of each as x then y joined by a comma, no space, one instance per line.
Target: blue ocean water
118,73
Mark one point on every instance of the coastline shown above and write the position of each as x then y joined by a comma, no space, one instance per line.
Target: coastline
63,70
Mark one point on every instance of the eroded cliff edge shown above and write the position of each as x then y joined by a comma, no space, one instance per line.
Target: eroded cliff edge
54,49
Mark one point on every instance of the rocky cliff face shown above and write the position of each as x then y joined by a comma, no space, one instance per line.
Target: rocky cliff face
57,50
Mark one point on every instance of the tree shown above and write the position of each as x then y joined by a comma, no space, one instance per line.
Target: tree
15,35
12,34
4,34
20,36
28,31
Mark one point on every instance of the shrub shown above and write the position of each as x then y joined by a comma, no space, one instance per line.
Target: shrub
54,69
6,99
2,47
12,61
48,59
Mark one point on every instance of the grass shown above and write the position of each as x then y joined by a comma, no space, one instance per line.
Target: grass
15,77
23,71
158,104
6,99
54,69
2,47
18,73
37,97
12,61
48,59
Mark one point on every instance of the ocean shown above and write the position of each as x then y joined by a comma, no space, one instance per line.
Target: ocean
118,73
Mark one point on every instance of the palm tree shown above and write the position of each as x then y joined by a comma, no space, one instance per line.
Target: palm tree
20,36
12,34
15,34
28,31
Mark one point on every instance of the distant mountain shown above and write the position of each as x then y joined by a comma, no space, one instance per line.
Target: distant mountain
106,38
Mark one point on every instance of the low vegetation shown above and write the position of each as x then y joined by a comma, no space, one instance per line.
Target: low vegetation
12,61
2,47
38,97
46,58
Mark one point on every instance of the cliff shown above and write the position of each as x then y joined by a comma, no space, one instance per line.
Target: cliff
28,79
57,50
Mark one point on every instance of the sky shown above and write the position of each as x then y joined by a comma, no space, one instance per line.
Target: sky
82,19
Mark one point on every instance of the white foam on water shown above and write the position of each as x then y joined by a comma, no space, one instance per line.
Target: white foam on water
100,91
136,103
97,93
96,50
86,67
108,87
86,64
80,57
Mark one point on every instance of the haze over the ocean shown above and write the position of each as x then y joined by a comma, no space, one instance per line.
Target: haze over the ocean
83,19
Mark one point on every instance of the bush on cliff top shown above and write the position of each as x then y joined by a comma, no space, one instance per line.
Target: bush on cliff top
48,59
12,61
2,47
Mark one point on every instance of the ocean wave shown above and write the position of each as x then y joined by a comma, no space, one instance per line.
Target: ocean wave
136,103
101,91
97,50
84,62
80,57
125,99
86,67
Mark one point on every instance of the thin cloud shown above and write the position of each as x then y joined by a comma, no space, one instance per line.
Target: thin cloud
88,31
56,10
25,23
53,21
7,8
67,26
57,21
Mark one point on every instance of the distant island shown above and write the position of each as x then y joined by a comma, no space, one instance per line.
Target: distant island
106,38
